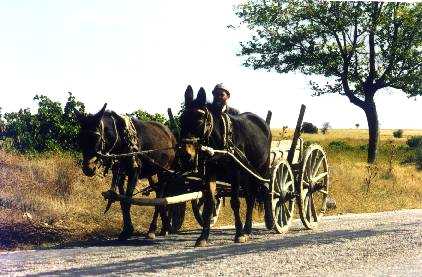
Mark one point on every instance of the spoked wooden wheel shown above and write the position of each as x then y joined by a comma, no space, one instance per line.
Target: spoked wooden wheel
176,214
313,186
280,203
198,210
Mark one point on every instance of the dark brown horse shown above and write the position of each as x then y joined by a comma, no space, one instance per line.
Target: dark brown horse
107,133
203,125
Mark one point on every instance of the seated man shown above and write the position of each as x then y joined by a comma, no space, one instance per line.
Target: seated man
221,95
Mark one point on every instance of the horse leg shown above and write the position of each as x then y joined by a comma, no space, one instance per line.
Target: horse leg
235,204
209,193
250,201
163,210
128,229
153,226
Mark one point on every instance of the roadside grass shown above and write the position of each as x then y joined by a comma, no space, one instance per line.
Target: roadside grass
47,199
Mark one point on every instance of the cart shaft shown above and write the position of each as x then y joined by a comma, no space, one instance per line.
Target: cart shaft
144,201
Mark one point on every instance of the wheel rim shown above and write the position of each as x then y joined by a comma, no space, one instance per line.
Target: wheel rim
282,196
313,186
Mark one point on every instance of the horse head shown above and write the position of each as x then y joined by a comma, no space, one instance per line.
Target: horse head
96,135
196,125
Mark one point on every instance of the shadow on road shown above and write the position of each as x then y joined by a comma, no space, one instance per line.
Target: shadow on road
193,255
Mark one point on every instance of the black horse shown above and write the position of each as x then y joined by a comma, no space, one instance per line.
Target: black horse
107,133
249,138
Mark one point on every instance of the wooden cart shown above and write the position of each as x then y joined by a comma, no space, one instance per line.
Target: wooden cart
299,175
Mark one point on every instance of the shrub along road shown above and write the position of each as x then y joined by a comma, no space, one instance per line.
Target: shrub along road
388,243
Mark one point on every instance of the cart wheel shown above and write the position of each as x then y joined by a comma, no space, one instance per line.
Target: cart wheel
280,204
198,206
176,214
313,186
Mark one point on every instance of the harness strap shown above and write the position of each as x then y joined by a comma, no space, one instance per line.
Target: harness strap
227,131
132,140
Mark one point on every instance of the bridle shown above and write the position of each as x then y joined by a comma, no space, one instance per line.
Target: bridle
100,133
206,130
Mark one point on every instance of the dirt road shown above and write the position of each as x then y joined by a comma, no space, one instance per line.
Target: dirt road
385,244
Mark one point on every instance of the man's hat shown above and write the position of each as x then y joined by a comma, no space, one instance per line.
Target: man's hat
220,86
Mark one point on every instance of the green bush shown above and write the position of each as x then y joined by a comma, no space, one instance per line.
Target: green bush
52,128
145,116
398,133
339,145
414,141
309,128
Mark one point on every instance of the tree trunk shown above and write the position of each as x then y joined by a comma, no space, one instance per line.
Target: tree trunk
373,126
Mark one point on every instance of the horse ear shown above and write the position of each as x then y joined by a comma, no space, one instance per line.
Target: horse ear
79,116
98,116
188,96
201,97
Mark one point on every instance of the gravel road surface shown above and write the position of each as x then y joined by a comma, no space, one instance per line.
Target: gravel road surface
378,244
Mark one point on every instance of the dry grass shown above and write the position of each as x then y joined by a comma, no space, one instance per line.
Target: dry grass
47,199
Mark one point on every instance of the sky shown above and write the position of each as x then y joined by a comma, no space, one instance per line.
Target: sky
143,54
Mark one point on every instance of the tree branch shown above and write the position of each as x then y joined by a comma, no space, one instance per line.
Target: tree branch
392,53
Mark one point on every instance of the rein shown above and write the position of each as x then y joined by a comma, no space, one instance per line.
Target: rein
100,133
131,154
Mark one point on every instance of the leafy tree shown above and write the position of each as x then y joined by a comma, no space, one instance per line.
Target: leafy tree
361,47
325,127
309,128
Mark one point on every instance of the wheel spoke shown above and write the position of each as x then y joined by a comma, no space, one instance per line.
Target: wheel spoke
283,215
313,162
313,211
318,164
309,166
308,207
285,176
320,176
323,191
288,185
277,182
306,185
286,208
277,211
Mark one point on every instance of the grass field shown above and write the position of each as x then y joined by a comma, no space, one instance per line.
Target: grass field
47,198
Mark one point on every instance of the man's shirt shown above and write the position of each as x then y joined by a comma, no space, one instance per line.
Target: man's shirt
229,110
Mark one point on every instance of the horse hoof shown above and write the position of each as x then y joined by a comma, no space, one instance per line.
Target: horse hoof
151,235
201,243
125,234
241,239
163,233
